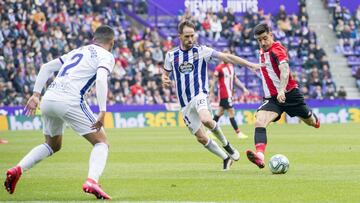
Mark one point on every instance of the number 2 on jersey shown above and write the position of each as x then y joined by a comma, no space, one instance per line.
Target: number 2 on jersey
78,58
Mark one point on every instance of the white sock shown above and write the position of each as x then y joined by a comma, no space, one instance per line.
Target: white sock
219,134
37,154
213,147
97,160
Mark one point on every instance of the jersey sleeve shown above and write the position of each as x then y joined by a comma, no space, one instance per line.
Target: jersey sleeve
207,53
280,54
64,57
167,64
107,62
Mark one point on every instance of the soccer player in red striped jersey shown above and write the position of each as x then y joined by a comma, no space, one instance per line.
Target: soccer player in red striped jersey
281,93
225,78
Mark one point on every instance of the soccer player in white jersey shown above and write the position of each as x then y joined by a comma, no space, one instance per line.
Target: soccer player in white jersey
188,64
64,102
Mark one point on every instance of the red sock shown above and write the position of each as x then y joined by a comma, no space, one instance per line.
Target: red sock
260,147
237,131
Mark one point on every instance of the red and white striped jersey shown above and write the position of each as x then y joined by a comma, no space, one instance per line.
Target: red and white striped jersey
225,73
270,73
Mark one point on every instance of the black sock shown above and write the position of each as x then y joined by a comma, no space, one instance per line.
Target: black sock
234,124
216,118
260,135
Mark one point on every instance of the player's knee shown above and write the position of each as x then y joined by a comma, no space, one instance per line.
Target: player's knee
55,146
231,112
102,141
106,143
260,123
97,137
207,122
202,139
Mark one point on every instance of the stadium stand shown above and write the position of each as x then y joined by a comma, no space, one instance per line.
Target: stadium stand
33,33
346,25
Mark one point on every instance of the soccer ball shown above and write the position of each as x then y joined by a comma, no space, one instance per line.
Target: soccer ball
279,164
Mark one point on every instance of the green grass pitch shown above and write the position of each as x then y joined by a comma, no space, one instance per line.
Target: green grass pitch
167,164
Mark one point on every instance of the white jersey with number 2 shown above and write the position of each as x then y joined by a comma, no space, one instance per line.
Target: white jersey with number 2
78,73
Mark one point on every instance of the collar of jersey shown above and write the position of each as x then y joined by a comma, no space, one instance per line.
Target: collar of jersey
186,49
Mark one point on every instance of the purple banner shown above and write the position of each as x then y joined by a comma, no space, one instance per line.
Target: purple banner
18,110
352,5
238,6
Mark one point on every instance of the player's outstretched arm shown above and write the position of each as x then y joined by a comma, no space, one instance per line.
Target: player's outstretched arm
230,58
45,72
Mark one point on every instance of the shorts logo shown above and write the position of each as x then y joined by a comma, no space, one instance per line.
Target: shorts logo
186,67
201,101
263,104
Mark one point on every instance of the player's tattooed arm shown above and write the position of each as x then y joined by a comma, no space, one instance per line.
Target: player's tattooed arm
284,78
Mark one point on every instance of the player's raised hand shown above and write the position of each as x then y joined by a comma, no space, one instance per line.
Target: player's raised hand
32,104
256,66
99,122
166,82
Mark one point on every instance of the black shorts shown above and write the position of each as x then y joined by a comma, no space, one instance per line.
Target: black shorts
294,105
226,103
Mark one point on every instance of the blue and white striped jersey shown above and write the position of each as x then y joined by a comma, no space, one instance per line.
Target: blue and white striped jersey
189,68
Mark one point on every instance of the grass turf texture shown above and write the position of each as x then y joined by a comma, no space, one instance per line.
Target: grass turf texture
167,164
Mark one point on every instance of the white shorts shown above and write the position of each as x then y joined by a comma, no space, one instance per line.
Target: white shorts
191,112
55,113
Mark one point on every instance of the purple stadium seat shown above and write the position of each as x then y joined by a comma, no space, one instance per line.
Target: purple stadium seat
331,3
125,24
353,61
354,69
222,42
348,51
357,50
295,41
253,59
298,61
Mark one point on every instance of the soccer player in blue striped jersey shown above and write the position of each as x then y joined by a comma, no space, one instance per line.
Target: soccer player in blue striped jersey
188,65
64,102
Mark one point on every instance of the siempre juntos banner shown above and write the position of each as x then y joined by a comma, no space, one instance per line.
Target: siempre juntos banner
237,6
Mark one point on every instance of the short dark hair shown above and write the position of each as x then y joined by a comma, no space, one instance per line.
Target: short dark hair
104,34
184,23
261,28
